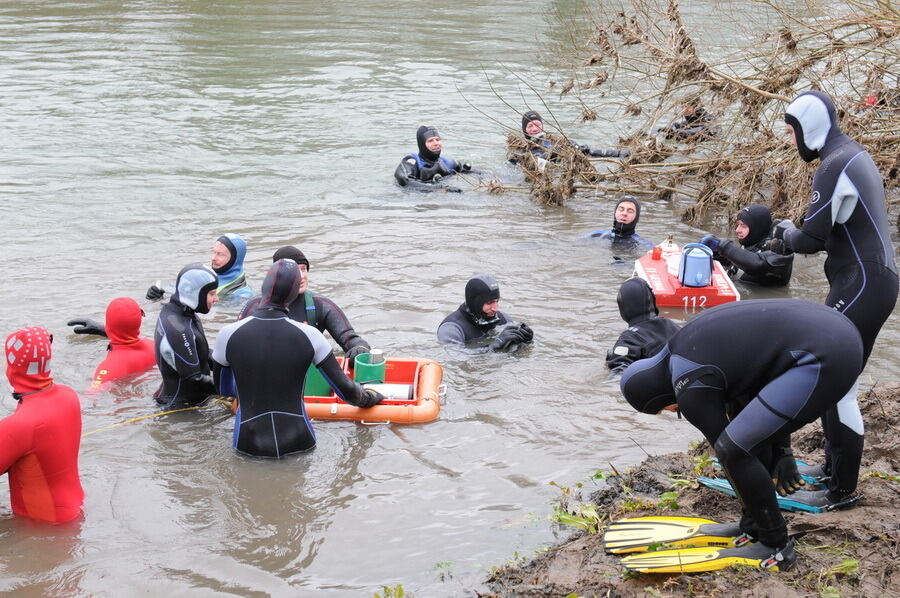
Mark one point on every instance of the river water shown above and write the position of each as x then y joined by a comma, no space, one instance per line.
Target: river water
135,133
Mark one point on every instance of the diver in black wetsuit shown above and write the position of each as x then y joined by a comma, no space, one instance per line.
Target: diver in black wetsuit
760,264
316,310
423,170
542,148
805,357
847,217
477,318
646,334
695,124
269,354
182,352
623,235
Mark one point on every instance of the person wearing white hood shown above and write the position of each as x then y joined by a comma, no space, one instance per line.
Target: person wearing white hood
847,217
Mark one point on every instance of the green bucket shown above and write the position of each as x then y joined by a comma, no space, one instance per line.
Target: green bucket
315,385
365,372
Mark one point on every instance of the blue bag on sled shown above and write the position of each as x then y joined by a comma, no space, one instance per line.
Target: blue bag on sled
695,268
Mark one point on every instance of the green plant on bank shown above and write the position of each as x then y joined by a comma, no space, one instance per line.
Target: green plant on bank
391,592
681,481
883,476
583,516
701,462
829,592
669,500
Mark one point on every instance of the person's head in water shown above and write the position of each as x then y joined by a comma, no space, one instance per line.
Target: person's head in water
483,297
532,124
282,284
812,120
429,141
647,384
195,288
754,224
626,215
289,252
636,301
228,254
28,352
123,321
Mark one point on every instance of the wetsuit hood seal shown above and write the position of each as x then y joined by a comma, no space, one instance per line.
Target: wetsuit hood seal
636,301
759,220
647,384
28,352
626,230
193,284
123,321
813,117
289,252
237,247
481,289
527,118
281,285
422,135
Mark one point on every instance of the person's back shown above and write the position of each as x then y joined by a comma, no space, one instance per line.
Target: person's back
271,419
646,334
41,439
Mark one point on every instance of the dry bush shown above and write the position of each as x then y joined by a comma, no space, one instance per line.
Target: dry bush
851,54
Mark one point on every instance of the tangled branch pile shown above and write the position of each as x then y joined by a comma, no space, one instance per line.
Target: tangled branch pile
852,54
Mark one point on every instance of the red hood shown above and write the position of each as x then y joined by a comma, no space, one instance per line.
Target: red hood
123,321
28,355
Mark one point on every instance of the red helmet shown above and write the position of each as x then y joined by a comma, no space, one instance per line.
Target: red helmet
28,355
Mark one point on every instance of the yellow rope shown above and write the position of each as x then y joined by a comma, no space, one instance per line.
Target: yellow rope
137,419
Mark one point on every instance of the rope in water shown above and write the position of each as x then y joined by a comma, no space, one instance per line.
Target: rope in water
152,415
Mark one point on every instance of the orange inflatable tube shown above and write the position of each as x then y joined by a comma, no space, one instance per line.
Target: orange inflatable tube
424,374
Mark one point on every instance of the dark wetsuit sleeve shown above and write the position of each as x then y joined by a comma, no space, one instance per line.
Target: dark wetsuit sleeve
748,261
449,333
330,317
628,349
830,190
407,175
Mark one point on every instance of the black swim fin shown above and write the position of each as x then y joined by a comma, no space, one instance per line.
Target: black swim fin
694,560
639,534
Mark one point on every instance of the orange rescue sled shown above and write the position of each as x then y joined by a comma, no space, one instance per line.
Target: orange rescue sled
659,267
425,377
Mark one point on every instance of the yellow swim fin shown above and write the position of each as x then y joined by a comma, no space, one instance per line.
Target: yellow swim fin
638,534
694,560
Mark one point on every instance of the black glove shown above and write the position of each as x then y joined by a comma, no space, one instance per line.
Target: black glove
507,338
354,351
784,472
453,190
526,333
87,326
371,397
154,292
711,241
782,226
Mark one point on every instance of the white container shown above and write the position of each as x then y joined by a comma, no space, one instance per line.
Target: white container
394,392
376,356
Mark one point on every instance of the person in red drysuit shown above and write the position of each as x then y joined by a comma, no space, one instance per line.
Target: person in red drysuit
127,352
39,442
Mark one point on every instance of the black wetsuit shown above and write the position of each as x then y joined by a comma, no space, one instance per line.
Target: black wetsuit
847,217
423,170
462,327
320,312
271,420
759,264
696,126
182,352
646,334
805,358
